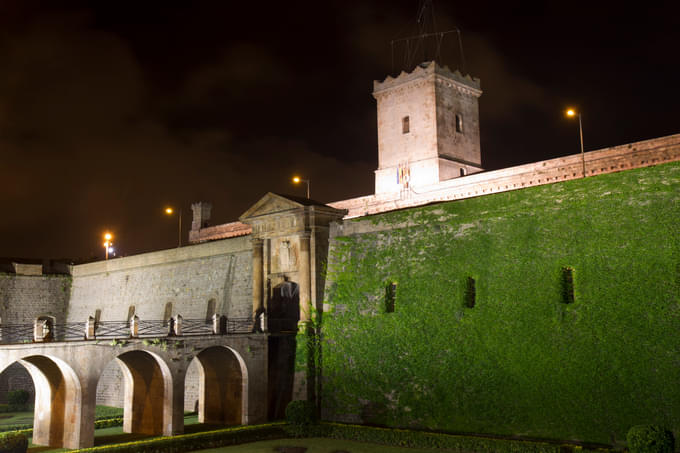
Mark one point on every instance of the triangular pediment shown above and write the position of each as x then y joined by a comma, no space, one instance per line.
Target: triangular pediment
271,203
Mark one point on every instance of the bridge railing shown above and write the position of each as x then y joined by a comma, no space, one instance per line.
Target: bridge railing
152,328
70,331
190,326
112,329
45,330
16,333
238,325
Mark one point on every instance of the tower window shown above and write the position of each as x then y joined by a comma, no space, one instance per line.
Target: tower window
405,125
462,172
390,297
459,123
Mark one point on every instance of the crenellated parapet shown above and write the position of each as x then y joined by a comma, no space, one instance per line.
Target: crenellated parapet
464,83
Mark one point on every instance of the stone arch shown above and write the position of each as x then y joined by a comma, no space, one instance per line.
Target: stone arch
223,386
16,377
58,401
148,393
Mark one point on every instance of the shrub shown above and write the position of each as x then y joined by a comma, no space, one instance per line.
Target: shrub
18,398
13,443
300,413
650,439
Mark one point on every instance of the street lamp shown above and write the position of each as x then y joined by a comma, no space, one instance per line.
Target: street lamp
170,211
298,180
108,244
572,113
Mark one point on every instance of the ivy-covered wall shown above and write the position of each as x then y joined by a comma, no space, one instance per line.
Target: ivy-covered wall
525,359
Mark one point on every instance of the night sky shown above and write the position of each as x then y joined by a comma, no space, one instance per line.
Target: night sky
110,112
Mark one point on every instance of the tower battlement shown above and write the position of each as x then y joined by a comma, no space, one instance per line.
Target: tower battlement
427,69
428,128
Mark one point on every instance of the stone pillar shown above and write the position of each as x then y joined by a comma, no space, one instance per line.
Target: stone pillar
305,281
41,330
178,325
257,277
134,326
89,328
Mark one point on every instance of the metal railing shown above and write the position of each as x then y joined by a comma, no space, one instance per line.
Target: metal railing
42,330
238,325
112,329
154,328
69,331
197,327
16,333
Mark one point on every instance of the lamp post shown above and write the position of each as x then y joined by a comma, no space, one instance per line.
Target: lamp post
108,244
571,113
298,180
170,211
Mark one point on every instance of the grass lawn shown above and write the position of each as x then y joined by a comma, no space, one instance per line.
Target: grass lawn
314,445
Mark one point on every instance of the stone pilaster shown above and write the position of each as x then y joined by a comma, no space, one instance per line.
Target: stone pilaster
257,277
305,278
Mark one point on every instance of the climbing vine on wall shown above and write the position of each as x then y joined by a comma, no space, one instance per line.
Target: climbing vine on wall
538,353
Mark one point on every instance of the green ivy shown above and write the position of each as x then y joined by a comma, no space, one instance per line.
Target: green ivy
521,361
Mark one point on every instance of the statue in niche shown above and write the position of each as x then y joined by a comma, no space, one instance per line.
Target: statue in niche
286,256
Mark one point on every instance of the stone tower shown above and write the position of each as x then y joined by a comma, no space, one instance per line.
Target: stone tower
428,128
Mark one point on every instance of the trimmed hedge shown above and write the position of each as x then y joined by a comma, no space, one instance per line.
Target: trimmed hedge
650,439
15,442
197,441
98,424
108,423
450,442
13,428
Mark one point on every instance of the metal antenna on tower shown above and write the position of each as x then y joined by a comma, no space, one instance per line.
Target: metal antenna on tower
426,33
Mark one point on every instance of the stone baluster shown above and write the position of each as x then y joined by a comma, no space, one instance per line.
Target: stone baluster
41,330
90,328
216,324
134,326
178,325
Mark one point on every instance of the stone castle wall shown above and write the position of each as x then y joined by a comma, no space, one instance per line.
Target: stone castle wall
192,279
188,278
26,297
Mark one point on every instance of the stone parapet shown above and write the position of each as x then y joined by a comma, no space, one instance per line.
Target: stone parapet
175,255
609,160
427,69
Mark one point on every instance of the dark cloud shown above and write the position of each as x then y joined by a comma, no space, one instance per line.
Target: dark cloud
108,111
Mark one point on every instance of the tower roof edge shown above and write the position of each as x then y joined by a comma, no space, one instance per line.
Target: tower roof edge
425,69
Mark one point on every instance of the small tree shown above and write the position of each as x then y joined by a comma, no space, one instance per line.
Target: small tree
18,399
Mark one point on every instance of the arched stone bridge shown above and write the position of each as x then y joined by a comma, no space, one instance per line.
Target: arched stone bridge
233,371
